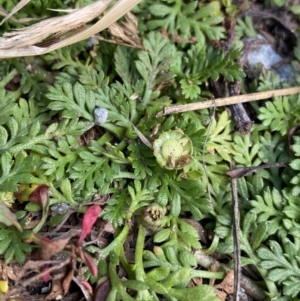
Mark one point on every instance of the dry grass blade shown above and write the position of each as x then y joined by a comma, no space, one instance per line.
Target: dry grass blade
21,4
4,13
126,34
23,42
226,101
56,26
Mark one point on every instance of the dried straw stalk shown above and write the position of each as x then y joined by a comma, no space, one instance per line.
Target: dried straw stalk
63,30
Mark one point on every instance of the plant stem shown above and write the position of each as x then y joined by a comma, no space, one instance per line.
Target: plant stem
220,102
105,138
128,175
139,270
207,274
117,242
8,78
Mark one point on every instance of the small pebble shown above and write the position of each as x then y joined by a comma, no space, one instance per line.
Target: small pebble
100,115
61,208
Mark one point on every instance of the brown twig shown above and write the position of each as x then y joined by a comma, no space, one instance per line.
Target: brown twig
251,288
24,283
49,270
240,172
220,102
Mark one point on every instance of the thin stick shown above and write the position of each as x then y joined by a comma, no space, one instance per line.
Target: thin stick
219,102
236,238
51,269
250,287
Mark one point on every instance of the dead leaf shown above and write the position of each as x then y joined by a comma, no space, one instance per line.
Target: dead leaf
24,192
40,195
102,290
29,265
89,219
90,263
56,291
48,248
46,277
67,280
87,286
221,295
83,289
128,33
227,285
7,217
3,286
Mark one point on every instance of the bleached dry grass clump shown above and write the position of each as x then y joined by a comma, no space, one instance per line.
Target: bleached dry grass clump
61,31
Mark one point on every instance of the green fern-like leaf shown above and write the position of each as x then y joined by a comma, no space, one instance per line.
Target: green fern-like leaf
270,204
273,150
295,165
247,151
63,57
282,265
115,211
122,112
190,88
279,115
220,139
17,170
73,102
60,160
245,28
192,198
12,246
188,19
89,171
154,65
137,155
202,63
268,80
163,257
32,83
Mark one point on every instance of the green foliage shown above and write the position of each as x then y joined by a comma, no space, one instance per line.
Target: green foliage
114,211
12,245
187,19
72,102
268,208
16,170
279,114
282,264
49,135
247,151
295,165
245,28
154,65
268,80
61,159
219,137
203,63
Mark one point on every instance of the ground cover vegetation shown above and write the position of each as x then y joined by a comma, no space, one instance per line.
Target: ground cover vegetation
103,198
